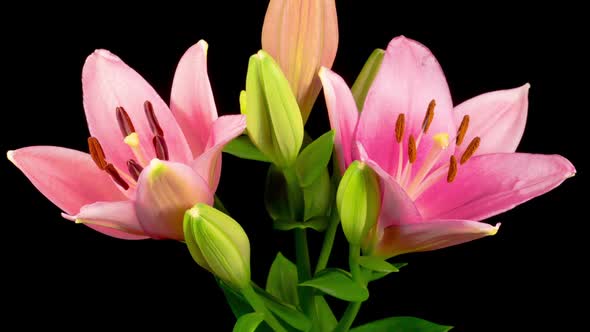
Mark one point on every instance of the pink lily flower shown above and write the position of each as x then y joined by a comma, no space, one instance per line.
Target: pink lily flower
442,169
148,163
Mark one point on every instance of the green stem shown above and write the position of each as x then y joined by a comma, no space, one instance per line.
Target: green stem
353,308
303,269
258,305
328,241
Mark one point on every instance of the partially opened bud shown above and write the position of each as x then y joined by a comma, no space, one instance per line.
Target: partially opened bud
219,244
358,201
272,115
302,35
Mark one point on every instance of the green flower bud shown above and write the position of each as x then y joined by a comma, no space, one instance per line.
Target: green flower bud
358,201
219,244
273,120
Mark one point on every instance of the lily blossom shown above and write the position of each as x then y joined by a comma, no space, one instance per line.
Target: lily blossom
147,163
442,169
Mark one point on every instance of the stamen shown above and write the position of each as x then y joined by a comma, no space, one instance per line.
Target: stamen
412,149
429,116
112,171
134,168
441,142
160,147
97,153
125,124
470,150
151,116
462,129
399,127
452,169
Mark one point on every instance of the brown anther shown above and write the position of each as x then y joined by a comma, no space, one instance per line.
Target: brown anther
151,116
452,169
160,147
429,116
97,153
134,168
125,124
462,129
471,148
412,149
112,171
399,127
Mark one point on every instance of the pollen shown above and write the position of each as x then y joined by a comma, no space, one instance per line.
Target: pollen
412,149
471,148
112,171
153,121
97,153
125,124
452,169
399,127
462,129
429,116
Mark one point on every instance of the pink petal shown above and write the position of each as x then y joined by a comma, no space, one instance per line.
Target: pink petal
431,235
192,100
165,190
68,178
116,219
397,207
408,79
107,83
498,118
208,164
490,184
343,115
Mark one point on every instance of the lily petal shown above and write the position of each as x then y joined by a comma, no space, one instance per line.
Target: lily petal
410,77
165,190
192,100
397,207
208,164
68,178
431,235
343,115
498,118
490,184
116,219
107,83
302,36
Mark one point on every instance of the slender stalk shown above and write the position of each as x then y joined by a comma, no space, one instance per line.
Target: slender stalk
303,271
353,308
258,305
328,241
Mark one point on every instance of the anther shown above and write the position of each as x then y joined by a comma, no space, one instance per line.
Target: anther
160,147
151,116
471,148
429,116
452,169
134,168
97,153
125,124
462,129
399,127
412,149
112,171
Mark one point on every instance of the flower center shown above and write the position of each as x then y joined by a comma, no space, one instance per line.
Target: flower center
131,138
415,182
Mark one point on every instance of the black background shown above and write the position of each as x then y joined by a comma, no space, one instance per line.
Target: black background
57,274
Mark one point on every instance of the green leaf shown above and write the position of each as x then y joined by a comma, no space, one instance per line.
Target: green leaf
282,280
318,224
339,284
276,195
399,265
287,313
376,264
314,159
327,320
370,275
363,82
405,324
242,147
248,322
318,197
